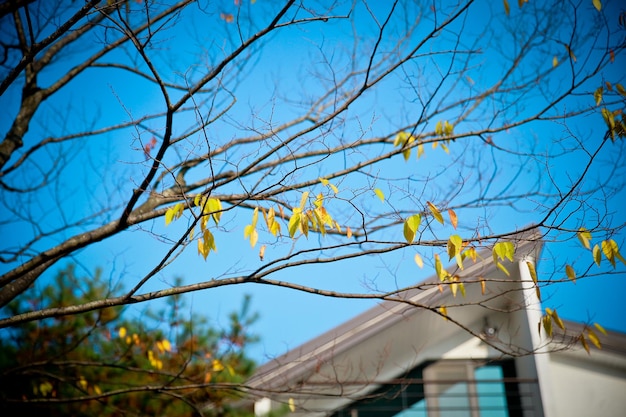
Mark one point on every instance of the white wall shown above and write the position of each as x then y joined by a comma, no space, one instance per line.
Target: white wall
588,385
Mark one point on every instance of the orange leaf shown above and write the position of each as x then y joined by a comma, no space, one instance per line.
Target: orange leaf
453,219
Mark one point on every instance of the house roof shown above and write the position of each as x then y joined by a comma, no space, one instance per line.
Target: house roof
419,301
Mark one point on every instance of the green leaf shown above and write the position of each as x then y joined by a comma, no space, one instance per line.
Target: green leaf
584,236
571,274
435,211
597,95
597,4
411,224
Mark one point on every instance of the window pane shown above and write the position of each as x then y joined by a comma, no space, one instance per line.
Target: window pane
491,392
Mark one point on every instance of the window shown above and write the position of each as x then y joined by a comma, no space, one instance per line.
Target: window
447,388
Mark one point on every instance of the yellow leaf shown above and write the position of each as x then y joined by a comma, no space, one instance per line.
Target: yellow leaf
597,95
173,212
348,232
504,250
503,269
448,128
418,260
547,325
303,200
453,219
420,151
556,319
507,8
455,244
584,343
600,328
217,366
335,189
444,312
593,337
571,274
379,194
82,383
439,127
254,237
262,252
435,211
411,224
597,4
609,247
483,286
441,273
533,271
167,346
584,236
620,89
571,53
555,61
597,255
213,207
122,332
294,222
323,181
97,390
292,405
538,292
453,288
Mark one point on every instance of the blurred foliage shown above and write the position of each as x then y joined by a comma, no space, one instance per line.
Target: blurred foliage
105,362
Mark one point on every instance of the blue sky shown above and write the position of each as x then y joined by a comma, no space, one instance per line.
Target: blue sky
286,71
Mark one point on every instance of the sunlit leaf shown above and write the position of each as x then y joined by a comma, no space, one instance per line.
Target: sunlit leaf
294,223
533,271
435,211
82,383
593,337
597,95
600,328
555,61
504,250
571,274
214,206
483,286
420,151
455,245
411,224
262,252
507,8
611,251
441,272
620,89
448,128
292,405
334,188
597,4
379,194
444,312
453,219
556,318
439,128
122,332
503,269
348,232
418,260
454,287
597,255
303,200
538,292
173,212
584,236
217,365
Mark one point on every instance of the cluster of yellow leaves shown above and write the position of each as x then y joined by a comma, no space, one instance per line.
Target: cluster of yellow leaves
616,126
551,318
160,347
609,247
